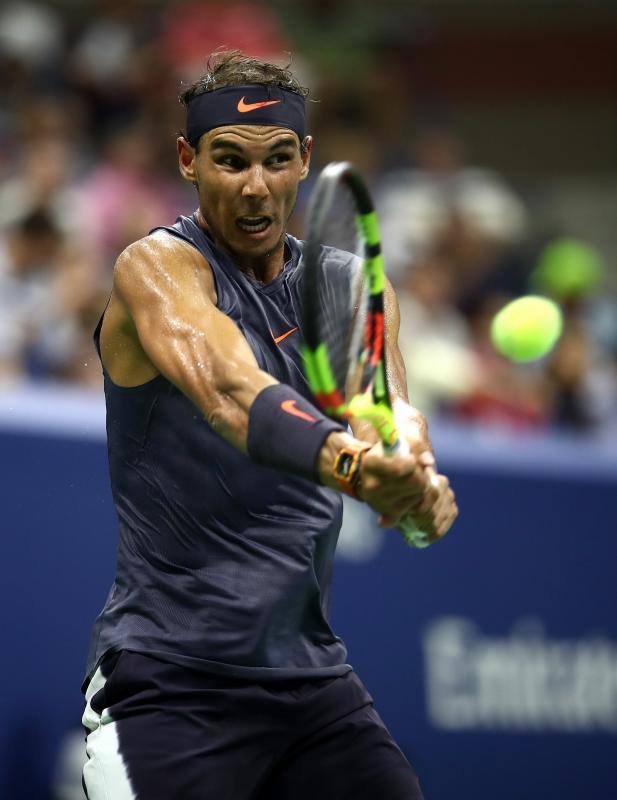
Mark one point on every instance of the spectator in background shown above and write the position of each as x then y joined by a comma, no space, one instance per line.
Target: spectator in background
435,339
190,29
28,261
128,193
32,40
570,370
48,164
45,291
440,196
104,65
31,48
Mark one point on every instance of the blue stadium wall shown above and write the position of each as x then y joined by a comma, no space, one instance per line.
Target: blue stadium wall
491,656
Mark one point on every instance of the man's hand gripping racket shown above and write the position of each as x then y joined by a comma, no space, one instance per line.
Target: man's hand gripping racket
391,427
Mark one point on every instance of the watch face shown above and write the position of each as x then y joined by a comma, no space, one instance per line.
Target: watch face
346,464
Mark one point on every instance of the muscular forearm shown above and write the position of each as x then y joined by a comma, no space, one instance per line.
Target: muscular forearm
213,365
227,408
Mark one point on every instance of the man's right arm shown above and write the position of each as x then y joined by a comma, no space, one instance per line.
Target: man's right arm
168,294
167,290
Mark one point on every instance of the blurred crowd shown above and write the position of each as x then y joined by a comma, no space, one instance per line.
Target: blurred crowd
88,121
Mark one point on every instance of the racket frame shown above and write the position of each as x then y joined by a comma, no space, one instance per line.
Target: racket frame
373,402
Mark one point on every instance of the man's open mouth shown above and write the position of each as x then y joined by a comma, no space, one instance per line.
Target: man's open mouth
253,224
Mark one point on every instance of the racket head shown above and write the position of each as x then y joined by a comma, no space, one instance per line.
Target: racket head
342,301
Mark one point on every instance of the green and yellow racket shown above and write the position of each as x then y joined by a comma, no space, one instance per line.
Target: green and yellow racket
343,284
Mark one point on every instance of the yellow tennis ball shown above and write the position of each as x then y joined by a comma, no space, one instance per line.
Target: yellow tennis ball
527,328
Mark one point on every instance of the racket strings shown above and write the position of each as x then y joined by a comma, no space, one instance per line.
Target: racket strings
343,296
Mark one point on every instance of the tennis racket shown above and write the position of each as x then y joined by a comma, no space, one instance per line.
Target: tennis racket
343,310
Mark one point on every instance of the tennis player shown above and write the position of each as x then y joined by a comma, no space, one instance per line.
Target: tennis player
213,673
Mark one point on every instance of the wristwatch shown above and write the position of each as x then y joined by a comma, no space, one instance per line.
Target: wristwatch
347,468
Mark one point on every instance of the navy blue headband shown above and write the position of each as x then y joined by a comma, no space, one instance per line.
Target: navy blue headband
255,104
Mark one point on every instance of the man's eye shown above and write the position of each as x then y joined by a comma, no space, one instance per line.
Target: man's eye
280,158
235,162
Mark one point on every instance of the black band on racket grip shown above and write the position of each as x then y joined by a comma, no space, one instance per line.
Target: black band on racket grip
287,432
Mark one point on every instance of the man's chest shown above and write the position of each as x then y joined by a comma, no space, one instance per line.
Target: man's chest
271,324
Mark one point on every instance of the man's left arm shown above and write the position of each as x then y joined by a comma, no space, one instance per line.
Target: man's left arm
436,508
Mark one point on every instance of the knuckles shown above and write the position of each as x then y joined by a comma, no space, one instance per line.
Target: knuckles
388,467
398,486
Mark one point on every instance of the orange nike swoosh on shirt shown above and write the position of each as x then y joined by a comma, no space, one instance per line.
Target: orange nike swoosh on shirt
290,407
244,107
280,338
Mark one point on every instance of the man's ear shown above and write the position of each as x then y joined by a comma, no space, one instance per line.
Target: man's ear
186,160
305,153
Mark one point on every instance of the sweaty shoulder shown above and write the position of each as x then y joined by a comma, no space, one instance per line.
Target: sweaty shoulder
162,257
151,276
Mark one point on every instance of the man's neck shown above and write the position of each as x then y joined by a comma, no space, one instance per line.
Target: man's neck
264,268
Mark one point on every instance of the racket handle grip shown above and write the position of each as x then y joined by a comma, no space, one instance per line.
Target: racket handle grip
412,533
407,526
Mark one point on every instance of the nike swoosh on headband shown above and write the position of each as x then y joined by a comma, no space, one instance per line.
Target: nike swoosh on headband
244,107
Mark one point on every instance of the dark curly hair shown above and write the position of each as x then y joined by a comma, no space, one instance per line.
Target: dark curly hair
234,68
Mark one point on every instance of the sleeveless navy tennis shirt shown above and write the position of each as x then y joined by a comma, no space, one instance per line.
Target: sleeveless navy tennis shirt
222,565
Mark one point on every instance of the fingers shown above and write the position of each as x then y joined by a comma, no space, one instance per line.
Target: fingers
395,496
426,459
401,474
378,465
407,485
438,510
434,495
437,514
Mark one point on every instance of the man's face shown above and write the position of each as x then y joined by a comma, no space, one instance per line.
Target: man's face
247,178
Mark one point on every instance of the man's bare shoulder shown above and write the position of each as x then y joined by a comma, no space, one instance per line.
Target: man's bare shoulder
148,275
159,250
163,259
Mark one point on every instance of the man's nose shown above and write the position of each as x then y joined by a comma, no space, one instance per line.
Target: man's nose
255,184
